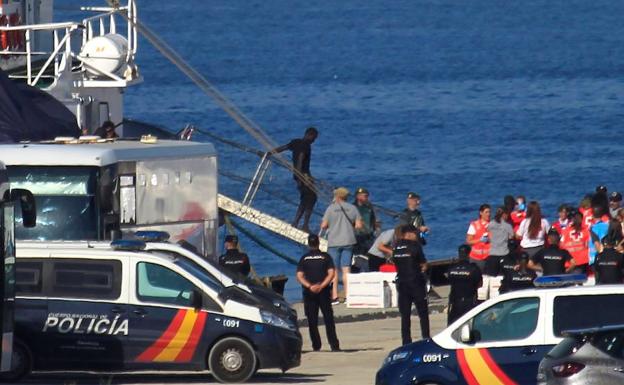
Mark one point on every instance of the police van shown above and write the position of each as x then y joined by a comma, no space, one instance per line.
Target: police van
156,241
124,309
503,340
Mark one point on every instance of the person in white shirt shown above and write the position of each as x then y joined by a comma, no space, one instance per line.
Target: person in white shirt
532,230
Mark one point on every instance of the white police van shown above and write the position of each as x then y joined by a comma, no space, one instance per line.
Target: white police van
124,309
156,241
503,340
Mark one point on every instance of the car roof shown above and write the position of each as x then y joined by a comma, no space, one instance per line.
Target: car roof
99,154
86,253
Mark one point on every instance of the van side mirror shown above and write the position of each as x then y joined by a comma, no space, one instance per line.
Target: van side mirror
466,335
196,300
27,203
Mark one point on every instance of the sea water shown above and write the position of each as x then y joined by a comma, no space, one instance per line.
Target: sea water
462,102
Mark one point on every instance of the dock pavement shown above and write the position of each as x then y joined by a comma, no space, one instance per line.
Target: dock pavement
366,337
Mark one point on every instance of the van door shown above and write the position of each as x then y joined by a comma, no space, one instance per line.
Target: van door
87,320
508,343
164,328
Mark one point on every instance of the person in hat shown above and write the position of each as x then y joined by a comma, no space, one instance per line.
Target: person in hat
366,235
615,203
465,280
315,273
340,221
552,260
412,215
301,154
411,282
233,260
107,130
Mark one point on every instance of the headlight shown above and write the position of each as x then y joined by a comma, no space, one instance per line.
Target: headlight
273,320
397,356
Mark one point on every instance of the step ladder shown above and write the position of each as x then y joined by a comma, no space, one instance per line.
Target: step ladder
265,221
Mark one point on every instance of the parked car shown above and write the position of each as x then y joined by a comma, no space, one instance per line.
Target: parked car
592,356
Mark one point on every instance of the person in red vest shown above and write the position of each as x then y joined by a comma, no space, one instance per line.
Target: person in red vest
575,238
563,221
478,237
587,212
518,215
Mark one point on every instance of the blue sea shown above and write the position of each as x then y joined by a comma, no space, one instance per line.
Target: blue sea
462,102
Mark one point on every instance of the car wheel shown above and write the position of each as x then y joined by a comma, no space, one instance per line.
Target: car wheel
232,360
20,364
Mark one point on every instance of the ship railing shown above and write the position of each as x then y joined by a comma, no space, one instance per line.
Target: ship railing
65,36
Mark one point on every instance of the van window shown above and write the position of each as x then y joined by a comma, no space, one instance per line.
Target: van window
587,311
86,279
158,284
28,279
514,319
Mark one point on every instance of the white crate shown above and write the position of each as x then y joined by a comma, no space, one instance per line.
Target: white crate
367,290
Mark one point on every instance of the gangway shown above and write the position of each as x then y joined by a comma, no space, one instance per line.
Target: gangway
265,221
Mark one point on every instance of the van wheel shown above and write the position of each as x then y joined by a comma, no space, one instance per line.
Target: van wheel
20,364
232,360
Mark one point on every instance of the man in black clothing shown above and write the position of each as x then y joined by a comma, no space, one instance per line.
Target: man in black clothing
233,259
609,264
522,278
301,154
411,265
508,264
465,279
315,272
552,260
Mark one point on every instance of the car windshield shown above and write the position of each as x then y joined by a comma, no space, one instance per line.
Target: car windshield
199,273
65,199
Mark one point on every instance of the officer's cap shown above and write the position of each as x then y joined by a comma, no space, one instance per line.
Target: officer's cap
361,190
231,238
615,197
601,189
412,195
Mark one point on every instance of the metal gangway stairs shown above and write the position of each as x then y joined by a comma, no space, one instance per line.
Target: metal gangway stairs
264,220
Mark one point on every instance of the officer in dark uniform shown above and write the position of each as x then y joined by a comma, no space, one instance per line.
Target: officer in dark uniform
508,264
551,260
520,278
233,259
411,265
465,279
609,264
315,272
412,215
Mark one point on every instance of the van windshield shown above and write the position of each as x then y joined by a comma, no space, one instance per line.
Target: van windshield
65,199
199,273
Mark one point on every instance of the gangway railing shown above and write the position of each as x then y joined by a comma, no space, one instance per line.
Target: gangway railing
266,221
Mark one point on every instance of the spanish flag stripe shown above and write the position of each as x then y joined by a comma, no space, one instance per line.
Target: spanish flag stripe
495,368
480,368
189,349
154,350
463,365
174,347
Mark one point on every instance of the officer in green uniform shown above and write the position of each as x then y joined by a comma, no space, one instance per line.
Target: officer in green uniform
364,236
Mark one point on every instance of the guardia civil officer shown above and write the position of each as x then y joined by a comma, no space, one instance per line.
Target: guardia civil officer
520,278
609,264
411,265
233,259
315,272
465,279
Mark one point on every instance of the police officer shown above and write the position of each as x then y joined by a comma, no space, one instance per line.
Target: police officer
520,278
315,272
465,279
411,265
412,215
233,259
609,263
508,264
552,259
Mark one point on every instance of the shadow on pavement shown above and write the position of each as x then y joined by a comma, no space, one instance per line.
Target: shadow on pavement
154,378
342,351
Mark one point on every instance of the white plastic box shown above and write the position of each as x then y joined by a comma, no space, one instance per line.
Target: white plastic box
371,290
